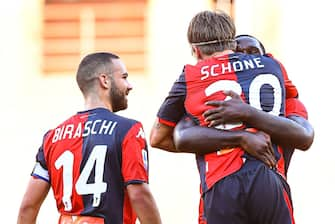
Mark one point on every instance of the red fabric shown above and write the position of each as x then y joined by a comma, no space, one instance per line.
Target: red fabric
289,205
134,165
227,161
168,123
290,88
295,107
134,160
54,151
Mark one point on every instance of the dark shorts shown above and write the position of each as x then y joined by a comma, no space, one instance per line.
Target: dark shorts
253,195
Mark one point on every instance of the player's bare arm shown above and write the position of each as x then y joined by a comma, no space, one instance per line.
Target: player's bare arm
34,196
192,138
161,136
234,110
143,203
308,129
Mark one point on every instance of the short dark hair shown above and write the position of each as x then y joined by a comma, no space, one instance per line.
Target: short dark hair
91,66
212,31
248,36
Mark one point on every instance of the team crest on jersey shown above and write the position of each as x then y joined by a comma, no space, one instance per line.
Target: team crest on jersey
140,133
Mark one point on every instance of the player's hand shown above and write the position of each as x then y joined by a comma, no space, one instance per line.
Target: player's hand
258,144
233,110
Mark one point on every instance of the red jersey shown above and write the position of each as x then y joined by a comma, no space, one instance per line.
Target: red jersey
258,79
89,160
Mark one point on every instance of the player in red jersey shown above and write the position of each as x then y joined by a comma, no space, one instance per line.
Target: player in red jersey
294,108
188,134
96,162
216,169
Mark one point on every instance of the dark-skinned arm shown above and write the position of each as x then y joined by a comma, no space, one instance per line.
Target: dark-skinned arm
308,130
191,138
283,131
187,137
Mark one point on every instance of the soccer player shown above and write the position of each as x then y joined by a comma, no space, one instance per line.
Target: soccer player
248,44
96,162
259,80
188,134
294,108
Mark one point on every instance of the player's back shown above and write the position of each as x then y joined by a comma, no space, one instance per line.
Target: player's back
90,161
259,81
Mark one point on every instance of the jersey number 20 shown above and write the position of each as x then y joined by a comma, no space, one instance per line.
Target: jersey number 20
254,93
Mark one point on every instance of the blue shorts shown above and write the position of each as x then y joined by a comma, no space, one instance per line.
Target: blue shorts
253,195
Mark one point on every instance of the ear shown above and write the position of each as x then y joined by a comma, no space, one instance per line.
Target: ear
196,52
104,80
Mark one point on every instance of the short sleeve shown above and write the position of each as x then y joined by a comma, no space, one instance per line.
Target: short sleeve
295,107
135,158
172,109
40,169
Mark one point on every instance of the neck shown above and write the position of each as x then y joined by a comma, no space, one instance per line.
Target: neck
217,54
92,102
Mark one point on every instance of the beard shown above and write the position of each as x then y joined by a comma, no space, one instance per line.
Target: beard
118,98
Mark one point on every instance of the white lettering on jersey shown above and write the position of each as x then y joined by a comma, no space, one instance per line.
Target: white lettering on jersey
140,133
145,158
236,66
96,127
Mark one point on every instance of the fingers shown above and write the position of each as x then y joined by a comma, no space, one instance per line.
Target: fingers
214,123
209,112
269,160
269,153
267,156
232,94
273,161
214,120
214,103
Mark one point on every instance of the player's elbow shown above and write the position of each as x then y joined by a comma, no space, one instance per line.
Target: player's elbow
307,137
307,141
305,133
156,141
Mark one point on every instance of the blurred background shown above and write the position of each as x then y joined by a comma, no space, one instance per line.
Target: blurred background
42,42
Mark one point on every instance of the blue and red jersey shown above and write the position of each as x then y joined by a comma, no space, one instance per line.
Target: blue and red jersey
260,80
89,160
294,107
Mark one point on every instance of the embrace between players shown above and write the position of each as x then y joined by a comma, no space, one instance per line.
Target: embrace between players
236,110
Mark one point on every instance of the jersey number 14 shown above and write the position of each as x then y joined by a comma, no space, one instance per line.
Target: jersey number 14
66,160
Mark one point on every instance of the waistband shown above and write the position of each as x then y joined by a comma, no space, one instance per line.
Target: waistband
71,219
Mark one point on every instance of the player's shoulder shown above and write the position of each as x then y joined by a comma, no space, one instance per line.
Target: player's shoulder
130,127
126,122
269,60
271,57
126,119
